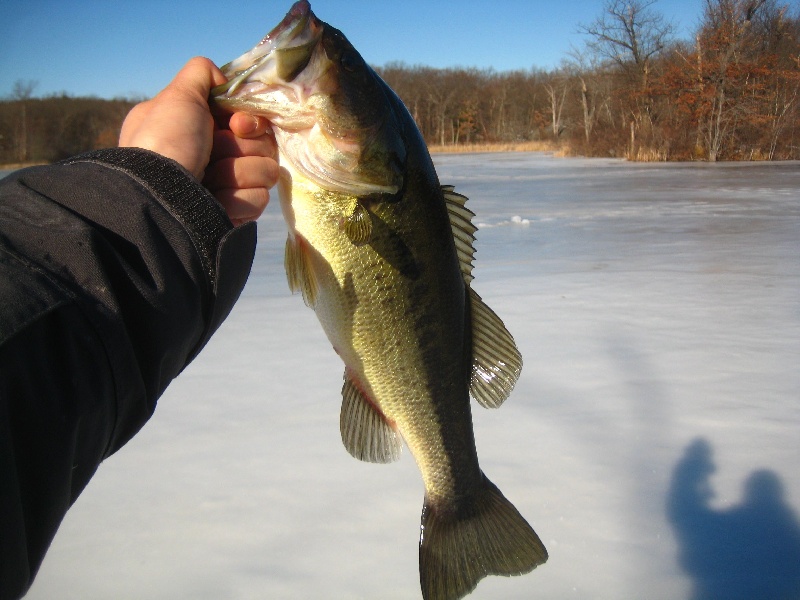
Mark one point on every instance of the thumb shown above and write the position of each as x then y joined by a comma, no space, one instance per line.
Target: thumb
195,80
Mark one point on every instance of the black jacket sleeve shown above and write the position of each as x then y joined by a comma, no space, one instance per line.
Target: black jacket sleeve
115,269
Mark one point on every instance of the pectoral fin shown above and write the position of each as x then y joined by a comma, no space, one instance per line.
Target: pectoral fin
358,224
365,431
297,262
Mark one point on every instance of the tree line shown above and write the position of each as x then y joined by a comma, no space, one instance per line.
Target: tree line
633,90
49,129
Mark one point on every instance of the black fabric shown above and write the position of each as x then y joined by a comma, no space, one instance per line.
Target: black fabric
182,196
116,267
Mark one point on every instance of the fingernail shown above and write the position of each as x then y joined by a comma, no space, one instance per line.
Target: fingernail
254,124
248,125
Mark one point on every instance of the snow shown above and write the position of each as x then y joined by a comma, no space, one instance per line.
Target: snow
657,309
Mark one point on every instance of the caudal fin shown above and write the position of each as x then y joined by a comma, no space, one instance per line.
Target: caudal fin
457,550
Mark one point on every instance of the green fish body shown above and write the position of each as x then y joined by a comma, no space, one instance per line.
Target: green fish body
383,254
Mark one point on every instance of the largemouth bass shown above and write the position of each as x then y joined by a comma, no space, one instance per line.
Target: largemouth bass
384,254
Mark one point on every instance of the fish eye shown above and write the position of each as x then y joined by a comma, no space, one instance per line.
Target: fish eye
349,60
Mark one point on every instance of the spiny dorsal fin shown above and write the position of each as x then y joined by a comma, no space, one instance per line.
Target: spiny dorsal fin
365,433
299,274
496,361
463,229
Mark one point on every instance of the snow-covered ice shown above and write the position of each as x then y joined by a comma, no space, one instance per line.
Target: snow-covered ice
652,440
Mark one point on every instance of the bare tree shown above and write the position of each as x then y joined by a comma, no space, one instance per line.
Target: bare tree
22,92
592,85
725,67
630,33
557,93
780,35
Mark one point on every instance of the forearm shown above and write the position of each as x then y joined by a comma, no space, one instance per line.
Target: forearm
107,291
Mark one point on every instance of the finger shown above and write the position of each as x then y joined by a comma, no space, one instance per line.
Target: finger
241,172
227,145
243,205
244,125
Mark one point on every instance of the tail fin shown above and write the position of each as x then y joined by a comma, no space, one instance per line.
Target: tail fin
457,550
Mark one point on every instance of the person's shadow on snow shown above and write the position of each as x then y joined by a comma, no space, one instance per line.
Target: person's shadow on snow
748,551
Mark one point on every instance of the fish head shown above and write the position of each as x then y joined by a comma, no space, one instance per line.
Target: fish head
332,114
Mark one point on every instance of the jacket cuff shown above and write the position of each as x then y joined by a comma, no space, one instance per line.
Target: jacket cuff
178,191
226,252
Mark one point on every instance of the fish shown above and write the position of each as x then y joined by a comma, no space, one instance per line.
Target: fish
384,254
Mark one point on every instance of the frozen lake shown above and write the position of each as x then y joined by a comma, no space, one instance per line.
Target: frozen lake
652,440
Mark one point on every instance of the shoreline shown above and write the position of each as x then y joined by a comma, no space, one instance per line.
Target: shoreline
557,150
535,146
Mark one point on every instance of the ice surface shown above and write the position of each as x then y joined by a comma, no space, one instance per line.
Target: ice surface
657,308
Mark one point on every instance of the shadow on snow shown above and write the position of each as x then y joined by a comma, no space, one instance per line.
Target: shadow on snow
748,551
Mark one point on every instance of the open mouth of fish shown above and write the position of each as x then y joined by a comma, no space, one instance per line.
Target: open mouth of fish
281,55
291,78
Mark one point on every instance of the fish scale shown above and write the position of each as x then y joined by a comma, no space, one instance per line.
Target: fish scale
383,254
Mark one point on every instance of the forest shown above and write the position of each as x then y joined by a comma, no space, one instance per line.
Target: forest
632,90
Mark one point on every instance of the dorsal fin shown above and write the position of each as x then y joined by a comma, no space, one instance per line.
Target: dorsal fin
496,361
463,229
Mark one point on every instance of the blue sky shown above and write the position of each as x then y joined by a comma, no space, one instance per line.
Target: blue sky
111,48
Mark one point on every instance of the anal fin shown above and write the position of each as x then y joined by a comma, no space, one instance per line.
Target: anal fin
365,432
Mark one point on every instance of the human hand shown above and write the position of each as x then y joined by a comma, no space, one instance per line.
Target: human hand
237,165
243,167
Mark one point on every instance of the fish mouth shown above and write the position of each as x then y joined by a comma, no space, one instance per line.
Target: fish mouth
327,127
283,53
